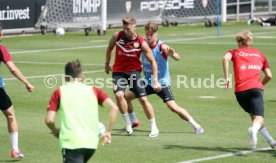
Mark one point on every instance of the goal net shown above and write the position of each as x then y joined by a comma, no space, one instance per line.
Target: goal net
189,10
89,13
71,14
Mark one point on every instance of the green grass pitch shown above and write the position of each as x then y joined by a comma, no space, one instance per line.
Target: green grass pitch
201,52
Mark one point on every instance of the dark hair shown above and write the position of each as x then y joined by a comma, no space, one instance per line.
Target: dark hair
73,69
151,26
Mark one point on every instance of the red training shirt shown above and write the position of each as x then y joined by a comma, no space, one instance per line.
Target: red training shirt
56,96
248,64
128,52
4,54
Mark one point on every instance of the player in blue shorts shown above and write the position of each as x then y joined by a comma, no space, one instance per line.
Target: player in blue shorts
161,52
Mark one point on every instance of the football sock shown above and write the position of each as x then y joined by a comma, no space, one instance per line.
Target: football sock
193,123
127,119
255,127
133,117
266,135
14,140
153,124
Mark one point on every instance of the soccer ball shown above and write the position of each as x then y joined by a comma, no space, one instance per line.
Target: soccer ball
60,31
101,128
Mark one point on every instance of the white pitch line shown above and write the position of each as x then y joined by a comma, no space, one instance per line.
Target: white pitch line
103,46
219,43
225,155
54,63
212,37
43,76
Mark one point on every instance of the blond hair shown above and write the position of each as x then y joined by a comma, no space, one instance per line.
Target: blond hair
244,38
151,26
128,20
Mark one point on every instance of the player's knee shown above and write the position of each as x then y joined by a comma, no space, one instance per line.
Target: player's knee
143,100
173,107
10,116
120,95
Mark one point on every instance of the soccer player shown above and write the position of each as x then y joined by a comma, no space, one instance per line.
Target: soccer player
248,63
271,21
126,70
161,53
77,104
5,101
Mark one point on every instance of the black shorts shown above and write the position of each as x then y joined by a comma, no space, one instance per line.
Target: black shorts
271,21
132,79
165,94
5,101
252,101
80,155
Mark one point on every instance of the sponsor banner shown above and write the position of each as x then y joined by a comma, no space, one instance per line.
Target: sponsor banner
18,13
152,9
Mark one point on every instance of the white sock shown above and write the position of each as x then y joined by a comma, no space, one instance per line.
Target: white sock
266,135
126,118
153,124
255,127
193,123
133,117
14,140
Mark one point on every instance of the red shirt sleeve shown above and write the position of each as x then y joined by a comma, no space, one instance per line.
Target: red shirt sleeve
54,101
4,54
100,95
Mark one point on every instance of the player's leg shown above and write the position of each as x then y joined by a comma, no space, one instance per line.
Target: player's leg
269,139
257,103
13,131
129,95
8,110
257,122
167,96
72,155
119,85
88,153
182,113
252,102
137,86
149,111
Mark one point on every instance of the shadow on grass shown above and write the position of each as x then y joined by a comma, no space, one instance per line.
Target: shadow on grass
9,160
271,101
121,132
220,149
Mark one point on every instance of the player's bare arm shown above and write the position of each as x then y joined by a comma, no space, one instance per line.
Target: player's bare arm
50,122
18,74
106,137
109,49
267,77
170,52
112,114
148,54
226,59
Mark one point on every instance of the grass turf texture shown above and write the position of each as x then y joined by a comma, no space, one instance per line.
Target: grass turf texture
201,54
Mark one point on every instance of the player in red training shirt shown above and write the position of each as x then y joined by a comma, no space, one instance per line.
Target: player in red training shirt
5,102
248,63
126,70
